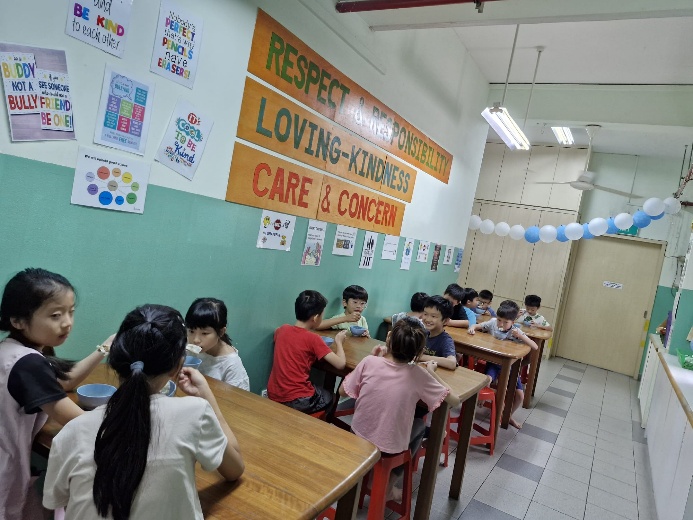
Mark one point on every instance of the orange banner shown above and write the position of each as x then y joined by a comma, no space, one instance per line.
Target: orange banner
277,123
281,59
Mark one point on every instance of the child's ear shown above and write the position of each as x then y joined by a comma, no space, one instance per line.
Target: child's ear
344,302
222,331
18,323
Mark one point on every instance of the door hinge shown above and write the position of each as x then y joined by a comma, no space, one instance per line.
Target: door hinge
644,315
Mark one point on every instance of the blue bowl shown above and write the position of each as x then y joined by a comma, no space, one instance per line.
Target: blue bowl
192,362
328,340
91,396
169,389
356,330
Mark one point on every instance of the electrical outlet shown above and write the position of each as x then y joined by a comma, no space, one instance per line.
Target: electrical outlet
264,393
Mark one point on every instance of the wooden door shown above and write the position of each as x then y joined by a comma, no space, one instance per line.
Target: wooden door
609,298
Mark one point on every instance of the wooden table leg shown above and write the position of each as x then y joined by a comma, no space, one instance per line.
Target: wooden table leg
465,433
510,393
346,506
540,344
424,499
534,360
501,390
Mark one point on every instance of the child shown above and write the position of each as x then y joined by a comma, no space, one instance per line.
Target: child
206,323
135,457
529,315
417,307
37,310
354,301
484,305
387,389
464,302
503,327
296,348
439,345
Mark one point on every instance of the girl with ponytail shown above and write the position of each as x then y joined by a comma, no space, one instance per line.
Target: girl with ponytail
144,444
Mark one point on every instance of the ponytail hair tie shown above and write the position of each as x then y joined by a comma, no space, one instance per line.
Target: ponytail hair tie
137,366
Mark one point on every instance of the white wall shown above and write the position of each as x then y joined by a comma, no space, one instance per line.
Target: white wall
429,79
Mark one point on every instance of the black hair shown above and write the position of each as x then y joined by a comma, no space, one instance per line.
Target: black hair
356,292
418,300
308,304
455,291
154,335
508,310
486,295
208,312
468,295
441,304
407,339
532,300
23,295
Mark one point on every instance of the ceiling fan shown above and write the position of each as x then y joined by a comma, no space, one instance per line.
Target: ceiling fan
585,179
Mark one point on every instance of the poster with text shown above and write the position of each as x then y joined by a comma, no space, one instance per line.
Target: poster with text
37,93
276,231
390,247
109,181
185,139
105,24
407,253
370,241
315,242
458,260
344,241
177,44
436,257
422,253
449,250
124,112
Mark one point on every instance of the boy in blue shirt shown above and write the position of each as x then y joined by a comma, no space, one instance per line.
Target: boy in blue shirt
439,345
464,302
484,306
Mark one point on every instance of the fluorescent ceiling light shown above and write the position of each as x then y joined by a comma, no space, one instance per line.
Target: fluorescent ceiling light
505,127
563,135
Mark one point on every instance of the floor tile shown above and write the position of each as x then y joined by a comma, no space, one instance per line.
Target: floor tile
515,483
477,510
617,460
613,486
565,385
624,449
503,500
539,433
612,503
560,502
593,512
556,400
616,426
521,467
577,423
569,379
568,469
539,511
545,420
576,435
588,410
622,412
572,444
533,456
638,433
560,412
614,437
564,484
612,471
569,455
559,391
527,442
575,368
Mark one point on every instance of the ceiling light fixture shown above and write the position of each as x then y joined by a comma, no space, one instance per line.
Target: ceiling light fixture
563,135
500,120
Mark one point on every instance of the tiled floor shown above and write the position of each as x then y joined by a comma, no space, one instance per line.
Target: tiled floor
580,455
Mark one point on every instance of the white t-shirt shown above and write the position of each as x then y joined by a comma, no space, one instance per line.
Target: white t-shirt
228,369
184,430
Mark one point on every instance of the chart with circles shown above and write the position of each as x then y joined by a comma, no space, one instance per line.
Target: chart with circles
106,181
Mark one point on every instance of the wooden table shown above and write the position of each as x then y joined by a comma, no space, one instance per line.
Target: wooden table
465,384
507,354
295,466
540,337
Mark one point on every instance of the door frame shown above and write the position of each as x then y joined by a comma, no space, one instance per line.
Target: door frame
555,350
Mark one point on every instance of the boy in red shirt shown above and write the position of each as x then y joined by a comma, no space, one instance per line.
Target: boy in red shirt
296,349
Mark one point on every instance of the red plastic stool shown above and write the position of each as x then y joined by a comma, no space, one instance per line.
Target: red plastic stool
327,514
488,437
381,476
524,374
321,415
444,451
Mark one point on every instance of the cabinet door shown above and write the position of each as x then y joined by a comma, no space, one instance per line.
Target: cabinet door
483,262
542,168
490,171
571,161
512,176
468,248
516,256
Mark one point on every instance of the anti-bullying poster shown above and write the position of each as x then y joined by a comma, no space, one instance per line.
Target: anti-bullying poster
370,241
344,241
315,242
422,253
407,254
185,139
449,250
458,260
276,231
105,24
177,44
37,93
124,112
390,248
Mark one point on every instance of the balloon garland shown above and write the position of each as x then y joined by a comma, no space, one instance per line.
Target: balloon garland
652,209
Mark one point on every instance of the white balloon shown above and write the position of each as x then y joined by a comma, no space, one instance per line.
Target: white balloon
671,206
502,229
517,232
574,231
487,226
623,221
548,234
474,222
653,207
598,226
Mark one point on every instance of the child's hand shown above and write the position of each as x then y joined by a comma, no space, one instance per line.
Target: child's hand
353,317
193,383
108,341
339,338
379,350
516,333
431,366
366,334
471,330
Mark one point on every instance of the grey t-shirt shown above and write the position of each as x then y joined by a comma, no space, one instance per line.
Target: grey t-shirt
491,326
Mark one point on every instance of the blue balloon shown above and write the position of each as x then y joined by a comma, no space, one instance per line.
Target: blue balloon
560,234
657,217
612,226
586,235
532,234
641,219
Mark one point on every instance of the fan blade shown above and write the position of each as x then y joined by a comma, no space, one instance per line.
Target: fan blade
568,182
617,192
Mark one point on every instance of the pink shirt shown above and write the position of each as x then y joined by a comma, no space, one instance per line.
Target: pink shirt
386,394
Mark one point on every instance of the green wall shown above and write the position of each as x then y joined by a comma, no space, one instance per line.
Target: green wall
184,246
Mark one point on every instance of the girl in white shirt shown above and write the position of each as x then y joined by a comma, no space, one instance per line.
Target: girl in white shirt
206,323
134,458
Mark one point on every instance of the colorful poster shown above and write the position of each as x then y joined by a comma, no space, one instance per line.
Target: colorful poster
105,24
390,248
449,250
185,139
37,93
344,241
407,253
276,231
315,242
458,260
124,112
108,181
422,253
370,241
177,44
436,257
